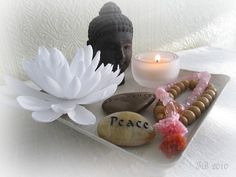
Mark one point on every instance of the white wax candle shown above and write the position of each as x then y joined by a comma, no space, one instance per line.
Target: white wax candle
150,73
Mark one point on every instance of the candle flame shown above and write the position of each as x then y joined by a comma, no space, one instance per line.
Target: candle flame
157,58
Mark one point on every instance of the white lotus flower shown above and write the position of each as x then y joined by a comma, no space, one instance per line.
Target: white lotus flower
66,87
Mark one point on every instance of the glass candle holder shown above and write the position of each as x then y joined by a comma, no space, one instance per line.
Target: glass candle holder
155,68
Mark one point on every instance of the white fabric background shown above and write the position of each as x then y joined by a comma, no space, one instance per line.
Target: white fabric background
158,24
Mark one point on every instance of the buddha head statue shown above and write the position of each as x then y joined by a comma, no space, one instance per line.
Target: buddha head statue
111,32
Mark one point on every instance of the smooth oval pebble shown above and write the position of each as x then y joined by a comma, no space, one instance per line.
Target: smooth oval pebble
134,102
126,129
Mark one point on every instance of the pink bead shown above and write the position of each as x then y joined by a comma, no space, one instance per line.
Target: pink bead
203,80
173,107
179,107
159,92
166,100
170,109
162,95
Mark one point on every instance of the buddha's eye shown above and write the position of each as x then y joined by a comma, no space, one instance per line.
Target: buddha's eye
127,46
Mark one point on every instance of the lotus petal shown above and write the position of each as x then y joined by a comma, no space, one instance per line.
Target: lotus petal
117,72
82,116
105,75
110,79
100,68
64,107
106,71
109,67
52,87
99,95
57,58
72,89
22,89
43,54
88,55
119,79
32,85
95,61
45,116
37,76
33,104
64,76
42,70
81,69
88,74
89,85
77,65
46,83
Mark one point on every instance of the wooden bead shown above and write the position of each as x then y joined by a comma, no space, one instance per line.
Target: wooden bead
158,109
184,120
160,116
187,117
204,100
192,84
159,103
177,89
186,83
171,95
190,116
173,92
208,96
212,87
181,86
210,92
200,105
196,110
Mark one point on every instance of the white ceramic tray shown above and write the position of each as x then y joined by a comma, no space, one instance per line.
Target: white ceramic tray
150,152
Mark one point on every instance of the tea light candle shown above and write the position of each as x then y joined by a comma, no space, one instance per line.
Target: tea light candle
155,68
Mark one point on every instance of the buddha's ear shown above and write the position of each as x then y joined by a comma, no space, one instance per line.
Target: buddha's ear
94,49
88,42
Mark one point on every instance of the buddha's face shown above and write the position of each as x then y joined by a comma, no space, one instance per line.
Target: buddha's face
116,48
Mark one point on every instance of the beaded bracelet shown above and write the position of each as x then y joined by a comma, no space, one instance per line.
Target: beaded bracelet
173,117
193,111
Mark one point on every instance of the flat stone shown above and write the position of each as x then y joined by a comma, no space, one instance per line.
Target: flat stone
126,129
134,102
